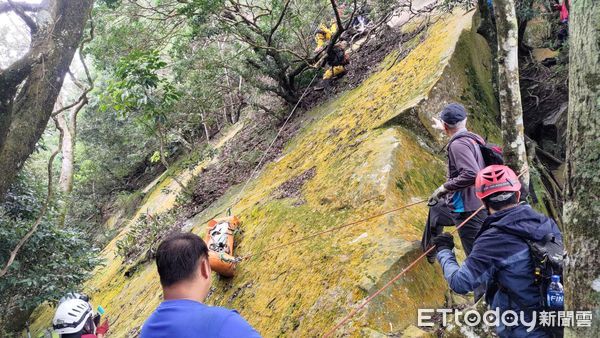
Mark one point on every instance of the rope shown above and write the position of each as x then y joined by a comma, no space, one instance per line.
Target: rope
398,276
266,152
237,199
393,280
331,230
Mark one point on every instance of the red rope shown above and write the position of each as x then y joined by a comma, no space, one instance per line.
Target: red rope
404,271
332,229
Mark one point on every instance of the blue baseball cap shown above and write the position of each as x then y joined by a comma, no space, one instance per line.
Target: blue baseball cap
453,113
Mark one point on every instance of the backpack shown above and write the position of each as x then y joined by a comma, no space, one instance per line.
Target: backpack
491,153
548,257
337,57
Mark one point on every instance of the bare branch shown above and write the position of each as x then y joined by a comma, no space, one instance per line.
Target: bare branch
283,11
336,12
82,100
354,9
26,18
25,6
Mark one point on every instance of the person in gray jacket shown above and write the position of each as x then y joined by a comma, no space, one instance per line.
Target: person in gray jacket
457,194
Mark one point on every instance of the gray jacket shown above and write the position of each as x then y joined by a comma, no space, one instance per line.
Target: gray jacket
464,162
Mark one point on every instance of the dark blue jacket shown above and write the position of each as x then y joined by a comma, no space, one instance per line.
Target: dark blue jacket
501,255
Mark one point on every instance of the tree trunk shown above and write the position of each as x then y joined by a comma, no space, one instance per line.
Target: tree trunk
581,210
228,102
38,77
206,133
65,181
508,87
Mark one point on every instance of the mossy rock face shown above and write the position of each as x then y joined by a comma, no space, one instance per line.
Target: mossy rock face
362,163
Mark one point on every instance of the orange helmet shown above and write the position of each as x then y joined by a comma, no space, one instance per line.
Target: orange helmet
496,178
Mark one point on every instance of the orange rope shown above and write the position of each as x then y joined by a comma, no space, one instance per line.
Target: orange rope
404,271
331,230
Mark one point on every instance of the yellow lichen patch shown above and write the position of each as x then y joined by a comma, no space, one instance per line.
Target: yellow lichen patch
467,80
364,165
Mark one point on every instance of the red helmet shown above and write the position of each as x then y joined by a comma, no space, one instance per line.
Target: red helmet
496,178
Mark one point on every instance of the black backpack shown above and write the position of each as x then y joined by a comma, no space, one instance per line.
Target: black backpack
548,257
337,57
491,153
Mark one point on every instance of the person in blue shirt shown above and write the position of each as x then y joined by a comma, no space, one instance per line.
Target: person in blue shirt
500,260
185,276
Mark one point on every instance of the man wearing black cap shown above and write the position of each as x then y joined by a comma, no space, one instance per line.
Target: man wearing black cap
464,162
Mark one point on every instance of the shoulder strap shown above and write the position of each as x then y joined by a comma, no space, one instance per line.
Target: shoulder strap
473,136
469,135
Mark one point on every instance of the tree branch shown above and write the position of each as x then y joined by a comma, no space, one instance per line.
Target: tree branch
336,12
82,100
285,7
26,18
354,9
27,7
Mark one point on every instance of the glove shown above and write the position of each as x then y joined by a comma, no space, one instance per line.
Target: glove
437,194
437,124
443,241
102,329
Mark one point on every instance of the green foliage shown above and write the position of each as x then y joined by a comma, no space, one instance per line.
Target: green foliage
200,12
54,260
449,5
129,202
145,235
525,10
271,45
138,87
155,158
111,164
112,4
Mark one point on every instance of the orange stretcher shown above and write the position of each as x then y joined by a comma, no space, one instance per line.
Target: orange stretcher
219,239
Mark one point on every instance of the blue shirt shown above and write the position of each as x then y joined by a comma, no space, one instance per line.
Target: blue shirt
188,318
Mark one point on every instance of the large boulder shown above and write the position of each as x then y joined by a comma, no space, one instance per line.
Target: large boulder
367,151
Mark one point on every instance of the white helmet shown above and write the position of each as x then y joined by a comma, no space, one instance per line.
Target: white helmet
71,316
74,295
